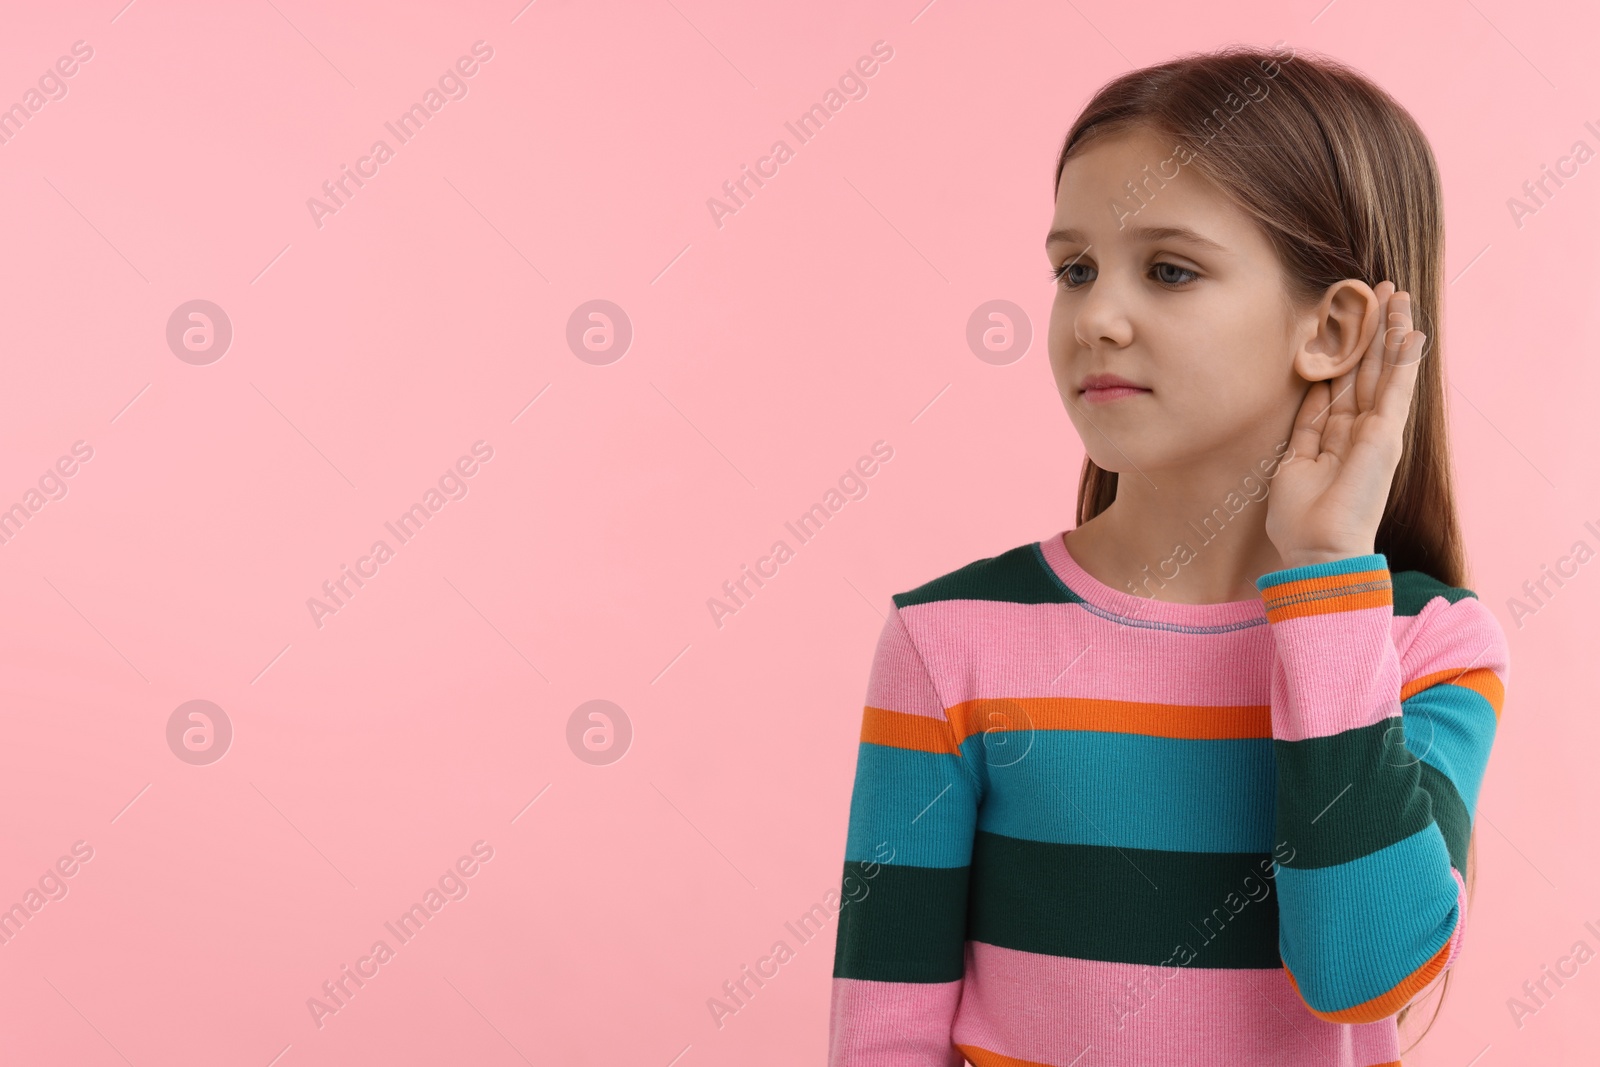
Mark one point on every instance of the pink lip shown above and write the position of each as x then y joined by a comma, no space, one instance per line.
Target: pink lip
1103,388
1115,392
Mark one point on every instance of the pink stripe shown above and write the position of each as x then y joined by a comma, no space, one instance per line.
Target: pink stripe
1058,650
892,1024
986,649
1070,650
1048,1009
1141,605
1345,673
1470,637
899,681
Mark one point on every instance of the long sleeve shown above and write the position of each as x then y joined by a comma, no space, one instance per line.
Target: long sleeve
1380,751
899,958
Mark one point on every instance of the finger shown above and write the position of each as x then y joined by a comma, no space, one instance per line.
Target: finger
1394,401
1305,440
1371,368
1395,334
1400,327
1342,396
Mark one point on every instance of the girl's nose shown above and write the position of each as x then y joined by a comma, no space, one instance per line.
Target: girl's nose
1102,318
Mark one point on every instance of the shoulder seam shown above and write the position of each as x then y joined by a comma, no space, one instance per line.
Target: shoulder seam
944,707
1473,616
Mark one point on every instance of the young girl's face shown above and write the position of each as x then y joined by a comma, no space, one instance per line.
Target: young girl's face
1183,297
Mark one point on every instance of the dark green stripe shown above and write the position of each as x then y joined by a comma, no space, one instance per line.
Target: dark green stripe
1095,902
1348,795
1124,905
1413,590
909,927
1450,812
1019,576
1091,902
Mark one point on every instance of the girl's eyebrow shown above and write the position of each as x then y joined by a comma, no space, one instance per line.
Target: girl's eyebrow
1143,233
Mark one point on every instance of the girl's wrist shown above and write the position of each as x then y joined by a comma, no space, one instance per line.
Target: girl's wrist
1306,558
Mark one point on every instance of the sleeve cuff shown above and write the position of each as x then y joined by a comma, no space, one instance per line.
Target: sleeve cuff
1347,584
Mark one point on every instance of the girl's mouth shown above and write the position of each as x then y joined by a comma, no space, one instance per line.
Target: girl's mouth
1104,388
1109,393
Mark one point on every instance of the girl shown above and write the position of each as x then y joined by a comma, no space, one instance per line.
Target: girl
1193,782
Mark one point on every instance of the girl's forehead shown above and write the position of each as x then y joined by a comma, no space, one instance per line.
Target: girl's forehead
1136,186
1137,140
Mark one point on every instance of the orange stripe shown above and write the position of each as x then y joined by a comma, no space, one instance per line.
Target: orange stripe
1326,582
1111,716
898,729
982,1057
1385,1004
1310,596
1480,680
922,733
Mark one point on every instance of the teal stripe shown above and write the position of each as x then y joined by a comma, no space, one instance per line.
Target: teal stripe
1349,565
1088,787
1451,728
910,808
1353,932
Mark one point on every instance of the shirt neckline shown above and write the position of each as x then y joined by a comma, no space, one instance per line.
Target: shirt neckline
1135,609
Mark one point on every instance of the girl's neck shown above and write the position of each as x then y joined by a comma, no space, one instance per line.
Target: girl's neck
1210,553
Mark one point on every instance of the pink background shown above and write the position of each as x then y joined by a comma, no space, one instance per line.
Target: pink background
767,355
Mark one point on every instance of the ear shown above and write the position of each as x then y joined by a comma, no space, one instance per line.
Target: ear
1337,330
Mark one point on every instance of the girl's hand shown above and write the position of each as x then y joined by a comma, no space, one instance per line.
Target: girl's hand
1328,497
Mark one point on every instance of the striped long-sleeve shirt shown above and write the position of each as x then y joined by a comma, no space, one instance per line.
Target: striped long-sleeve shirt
1092,828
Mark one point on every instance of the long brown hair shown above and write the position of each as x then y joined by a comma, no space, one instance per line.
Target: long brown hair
1343,183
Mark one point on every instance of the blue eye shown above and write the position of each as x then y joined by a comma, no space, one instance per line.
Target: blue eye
1064,272
1063,276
